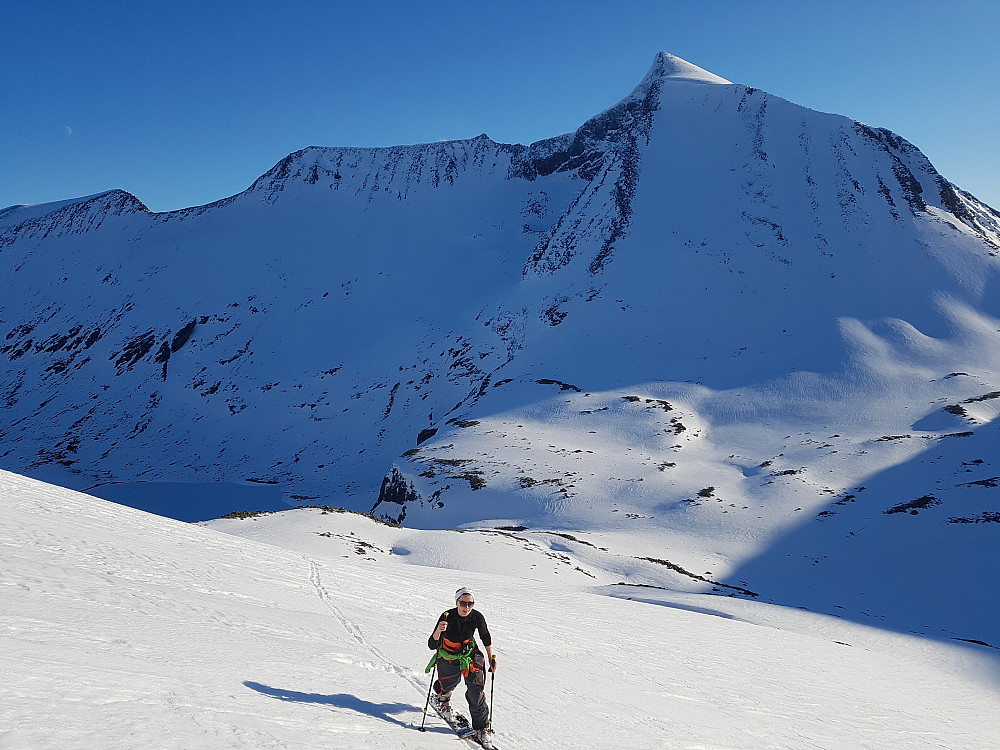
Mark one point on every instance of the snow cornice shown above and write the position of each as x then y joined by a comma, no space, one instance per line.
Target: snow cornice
667,67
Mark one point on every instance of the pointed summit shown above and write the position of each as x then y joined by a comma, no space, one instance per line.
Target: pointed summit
667,66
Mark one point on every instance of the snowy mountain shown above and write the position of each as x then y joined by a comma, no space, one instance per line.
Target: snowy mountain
124,630
754,347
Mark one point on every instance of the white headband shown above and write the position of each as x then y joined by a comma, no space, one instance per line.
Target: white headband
462,592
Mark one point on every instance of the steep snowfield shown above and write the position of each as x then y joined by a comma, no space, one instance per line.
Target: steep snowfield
127,630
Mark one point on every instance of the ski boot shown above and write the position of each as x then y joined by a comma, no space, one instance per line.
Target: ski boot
443,701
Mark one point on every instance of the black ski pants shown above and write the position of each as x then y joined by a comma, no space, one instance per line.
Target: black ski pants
449,675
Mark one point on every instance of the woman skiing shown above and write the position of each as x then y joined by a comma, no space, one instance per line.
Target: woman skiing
458,656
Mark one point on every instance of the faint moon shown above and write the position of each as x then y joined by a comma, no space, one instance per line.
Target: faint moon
69,130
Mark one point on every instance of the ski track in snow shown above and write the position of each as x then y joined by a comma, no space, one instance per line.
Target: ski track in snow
353,630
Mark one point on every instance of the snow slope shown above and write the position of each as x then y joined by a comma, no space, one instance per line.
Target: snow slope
128,630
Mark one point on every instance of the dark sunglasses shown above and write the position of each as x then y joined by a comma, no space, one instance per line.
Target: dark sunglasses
465,604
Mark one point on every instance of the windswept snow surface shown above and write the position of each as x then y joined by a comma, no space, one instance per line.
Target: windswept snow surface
127,630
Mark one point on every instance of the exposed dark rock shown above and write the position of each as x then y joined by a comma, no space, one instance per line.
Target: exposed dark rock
562,386
913,506
678,569
134,350
182,336
984,517
398,491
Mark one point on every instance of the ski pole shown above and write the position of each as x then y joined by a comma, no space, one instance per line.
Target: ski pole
428,701
493,677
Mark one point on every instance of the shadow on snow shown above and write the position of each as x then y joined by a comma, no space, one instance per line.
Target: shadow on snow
384,711
914,549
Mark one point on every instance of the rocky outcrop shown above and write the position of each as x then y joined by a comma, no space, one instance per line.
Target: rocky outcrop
395,491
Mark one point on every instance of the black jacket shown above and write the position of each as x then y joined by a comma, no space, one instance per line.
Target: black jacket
460,631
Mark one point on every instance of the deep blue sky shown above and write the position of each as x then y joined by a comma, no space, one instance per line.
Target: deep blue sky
183,103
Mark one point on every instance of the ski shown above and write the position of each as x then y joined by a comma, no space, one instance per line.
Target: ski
459,724
467,735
